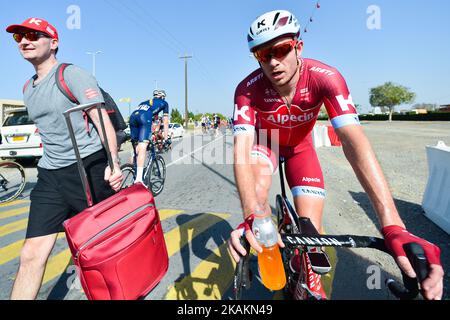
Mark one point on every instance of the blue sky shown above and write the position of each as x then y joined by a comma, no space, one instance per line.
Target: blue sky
142,40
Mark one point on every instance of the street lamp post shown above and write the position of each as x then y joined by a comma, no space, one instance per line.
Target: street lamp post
93,60
186,116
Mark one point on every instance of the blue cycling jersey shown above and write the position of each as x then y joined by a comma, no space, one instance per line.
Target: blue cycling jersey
141,118
154,106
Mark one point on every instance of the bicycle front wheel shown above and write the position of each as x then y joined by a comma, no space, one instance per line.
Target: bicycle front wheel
156,175
12,181
129,175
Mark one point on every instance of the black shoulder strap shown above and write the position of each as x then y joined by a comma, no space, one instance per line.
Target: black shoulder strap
62,85
28,83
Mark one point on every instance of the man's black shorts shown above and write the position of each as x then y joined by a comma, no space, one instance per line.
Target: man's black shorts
58,194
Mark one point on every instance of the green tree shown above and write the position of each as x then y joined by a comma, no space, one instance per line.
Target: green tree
390,95
176,117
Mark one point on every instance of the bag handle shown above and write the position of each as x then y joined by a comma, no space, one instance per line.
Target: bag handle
81,169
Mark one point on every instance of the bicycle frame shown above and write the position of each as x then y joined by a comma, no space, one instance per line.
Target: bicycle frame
150,157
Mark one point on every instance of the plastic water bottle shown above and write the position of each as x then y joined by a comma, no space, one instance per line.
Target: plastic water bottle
270,264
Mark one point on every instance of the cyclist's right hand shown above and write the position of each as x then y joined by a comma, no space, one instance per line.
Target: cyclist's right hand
395,238
245,229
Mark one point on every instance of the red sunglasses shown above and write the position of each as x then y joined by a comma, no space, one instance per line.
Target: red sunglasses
278,52
30,36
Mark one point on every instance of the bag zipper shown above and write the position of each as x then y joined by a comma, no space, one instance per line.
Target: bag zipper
128,216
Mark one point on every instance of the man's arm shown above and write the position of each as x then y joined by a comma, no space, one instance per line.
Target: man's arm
243,173
245,182
359,153
115,179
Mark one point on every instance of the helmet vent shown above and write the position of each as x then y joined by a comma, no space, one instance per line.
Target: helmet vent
276,18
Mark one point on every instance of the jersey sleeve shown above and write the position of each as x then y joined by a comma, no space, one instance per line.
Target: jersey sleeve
244,114
338,101
83,85
166,109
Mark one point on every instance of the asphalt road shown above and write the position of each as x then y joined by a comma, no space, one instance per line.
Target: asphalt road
199,207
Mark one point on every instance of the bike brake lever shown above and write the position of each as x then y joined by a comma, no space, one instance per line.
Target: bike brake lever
242,276
419,262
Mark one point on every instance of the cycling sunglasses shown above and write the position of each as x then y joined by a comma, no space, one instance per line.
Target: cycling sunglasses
278,52
30,36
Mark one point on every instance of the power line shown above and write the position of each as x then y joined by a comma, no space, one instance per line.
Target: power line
160,26
139,23
171,40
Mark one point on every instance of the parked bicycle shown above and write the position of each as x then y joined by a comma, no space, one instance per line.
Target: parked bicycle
301,239
154,168
12,181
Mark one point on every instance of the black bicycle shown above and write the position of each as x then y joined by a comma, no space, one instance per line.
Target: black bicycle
12,181
301,238
154,168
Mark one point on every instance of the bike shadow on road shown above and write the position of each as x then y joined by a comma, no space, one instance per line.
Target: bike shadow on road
203,246
417,223
355,278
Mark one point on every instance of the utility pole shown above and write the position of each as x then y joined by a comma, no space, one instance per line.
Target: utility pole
186,115
93,60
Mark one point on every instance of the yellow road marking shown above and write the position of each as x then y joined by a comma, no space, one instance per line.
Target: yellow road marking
327,280
165,213
14,212
13,203
13,227
180,236
12,251
210,279
56,265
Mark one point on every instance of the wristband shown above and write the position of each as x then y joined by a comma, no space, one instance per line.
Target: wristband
247,224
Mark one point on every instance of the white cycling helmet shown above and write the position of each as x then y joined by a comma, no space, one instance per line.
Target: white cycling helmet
159,93
272,25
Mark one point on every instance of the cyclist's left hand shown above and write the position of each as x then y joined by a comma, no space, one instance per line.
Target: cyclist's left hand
245,230
115,179
395,238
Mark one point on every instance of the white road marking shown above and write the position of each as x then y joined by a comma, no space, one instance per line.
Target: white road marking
189,154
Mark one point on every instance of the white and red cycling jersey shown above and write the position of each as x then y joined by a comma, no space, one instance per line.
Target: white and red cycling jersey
258,106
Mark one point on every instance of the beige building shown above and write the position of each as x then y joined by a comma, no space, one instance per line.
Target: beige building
7,105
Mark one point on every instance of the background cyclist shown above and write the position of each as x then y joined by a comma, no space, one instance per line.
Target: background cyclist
216,120
204,119
141,122
283,97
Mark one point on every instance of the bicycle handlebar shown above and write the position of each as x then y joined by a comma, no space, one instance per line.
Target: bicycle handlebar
416,257
414,252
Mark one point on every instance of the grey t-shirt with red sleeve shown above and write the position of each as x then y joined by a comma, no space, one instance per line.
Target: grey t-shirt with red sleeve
46,104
